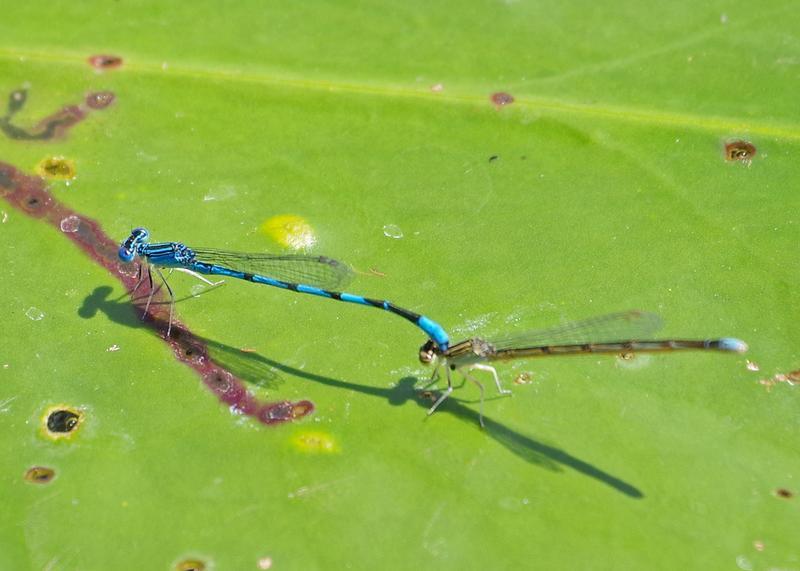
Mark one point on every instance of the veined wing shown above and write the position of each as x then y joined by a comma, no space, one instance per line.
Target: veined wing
623,326
317,271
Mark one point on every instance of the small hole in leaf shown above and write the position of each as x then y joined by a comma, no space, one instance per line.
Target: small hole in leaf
739,150
40,474
63,420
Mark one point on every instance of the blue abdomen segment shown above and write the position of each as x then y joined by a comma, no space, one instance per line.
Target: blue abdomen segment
430,327
732,344
434,331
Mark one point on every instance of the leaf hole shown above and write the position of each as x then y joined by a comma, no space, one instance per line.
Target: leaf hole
63,420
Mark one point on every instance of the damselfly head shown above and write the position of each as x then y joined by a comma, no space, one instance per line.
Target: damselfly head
125,254
127,250
428,352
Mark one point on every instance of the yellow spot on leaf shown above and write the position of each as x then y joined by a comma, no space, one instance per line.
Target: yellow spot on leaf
290,231
57,168
315,442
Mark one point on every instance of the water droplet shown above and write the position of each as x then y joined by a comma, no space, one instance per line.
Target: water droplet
751,366
70,224
4,216
743,563
34,314
392,231
220,193
437,88
265,563
113,348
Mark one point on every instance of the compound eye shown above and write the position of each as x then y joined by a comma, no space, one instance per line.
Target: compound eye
140,233
125,254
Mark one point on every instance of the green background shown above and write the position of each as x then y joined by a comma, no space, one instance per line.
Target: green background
610,192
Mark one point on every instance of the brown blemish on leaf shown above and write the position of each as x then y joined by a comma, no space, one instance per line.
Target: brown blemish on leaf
501,98
100,99
54,125
40,475
105,61
740,150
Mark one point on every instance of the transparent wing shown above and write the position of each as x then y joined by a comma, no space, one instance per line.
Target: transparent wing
317,271
623,326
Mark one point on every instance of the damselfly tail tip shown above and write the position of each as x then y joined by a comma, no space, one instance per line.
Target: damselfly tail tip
732,344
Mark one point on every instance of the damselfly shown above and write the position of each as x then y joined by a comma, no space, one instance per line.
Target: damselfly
617,333
315,275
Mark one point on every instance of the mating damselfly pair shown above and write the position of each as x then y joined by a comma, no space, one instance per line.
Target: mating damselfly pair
616,333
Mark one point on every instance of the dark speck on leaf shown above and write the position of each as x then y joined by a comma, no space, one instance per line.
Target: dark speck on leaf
502,98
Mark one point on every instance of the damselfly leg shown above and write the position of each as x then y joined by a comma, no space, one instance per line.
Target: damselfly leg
493,371
445,394
171,298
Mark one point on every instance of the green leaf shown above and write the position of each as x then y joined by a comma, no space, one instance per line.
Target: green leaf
605,185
